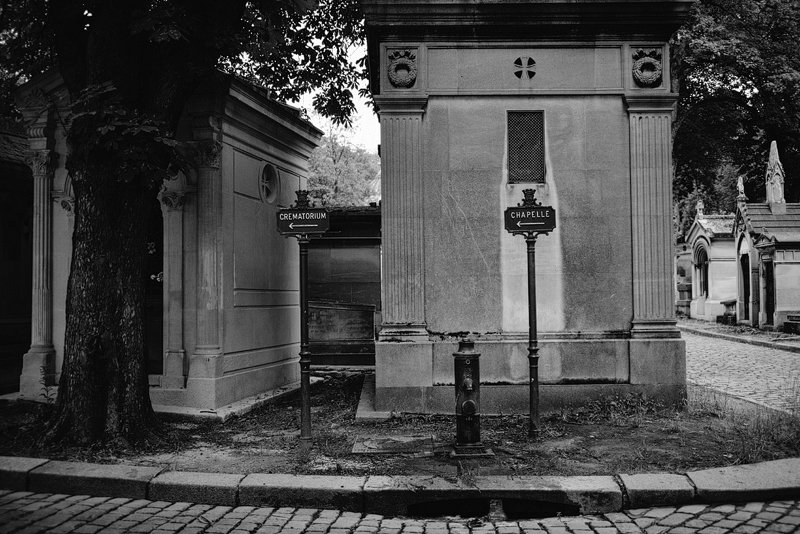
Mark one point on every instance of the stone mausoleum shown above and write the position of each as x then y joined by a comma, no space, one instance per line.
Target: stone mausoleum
714,266
767,237
478,101
222,314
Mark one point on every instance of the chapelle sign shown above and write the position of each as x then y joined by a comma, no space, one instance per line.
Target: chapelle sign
531,219
540,219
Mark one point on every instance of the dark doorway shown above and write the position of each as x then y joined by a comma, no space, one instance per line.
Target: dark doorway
16,256
744,266
702,267
153,293
769,292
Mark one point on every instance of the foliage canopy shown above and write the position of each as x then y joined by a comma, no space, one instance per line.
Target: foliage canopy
737,63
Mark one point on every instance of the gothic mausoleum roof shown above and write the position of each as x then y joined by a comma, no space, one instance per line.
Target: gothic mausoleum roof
761,221
775,222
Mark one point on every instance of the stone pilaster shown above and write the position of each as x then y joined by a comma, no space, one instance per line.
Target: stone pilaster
651,211
206,358
38,364
403,270
174,375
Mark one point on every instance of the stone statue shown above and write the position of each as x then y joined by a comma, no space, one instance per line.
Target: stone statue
700,206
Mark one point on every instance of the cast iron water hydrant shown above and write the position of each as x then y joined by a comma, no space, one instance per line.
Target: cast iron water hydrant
468,399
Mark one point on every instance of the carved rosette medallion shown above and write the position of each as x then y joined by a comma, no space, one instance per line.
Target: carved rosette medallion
647,68
402,68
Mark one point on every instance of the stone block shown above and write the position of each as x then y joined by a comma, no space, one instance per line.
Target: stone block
662,489
657,361
763,481
14,471
403,399
37,371
404,364
204,488
277,490
503,361
92,479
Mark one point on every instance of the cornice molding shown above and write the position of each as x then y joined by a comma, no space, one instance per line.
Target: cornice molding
656,19
401,104
651,102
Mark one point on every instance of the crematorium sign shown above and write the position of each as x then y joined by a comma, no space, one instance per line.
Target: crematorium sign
301,220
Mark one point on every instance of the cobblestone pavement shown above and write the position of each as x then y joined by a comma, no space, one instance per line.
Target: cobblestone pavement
759,374
25,512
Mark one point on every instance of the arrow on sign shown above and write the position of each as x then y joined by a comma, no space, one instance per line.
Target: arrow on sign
520,224
293,226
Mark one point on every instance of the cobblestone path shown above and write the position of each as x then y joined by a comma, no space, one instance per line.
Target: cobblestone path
24,512
759,374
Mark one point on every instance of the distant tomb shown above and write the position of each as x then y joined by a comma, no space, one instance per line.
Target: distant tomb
713,264
767,238
478,101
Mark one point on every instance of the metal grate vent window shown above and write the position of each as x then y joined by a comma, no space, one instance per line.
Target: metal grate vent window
525,146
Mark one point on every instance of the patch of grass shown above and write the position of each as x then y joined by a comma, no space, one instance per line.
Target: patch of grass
617,410
752,433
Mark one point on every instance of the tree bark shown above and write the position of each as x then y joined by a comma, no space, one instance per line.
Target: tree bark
103,391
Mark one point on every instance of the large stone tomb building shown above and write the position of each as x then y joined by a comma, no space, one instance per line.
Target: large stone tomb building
478,101
224,324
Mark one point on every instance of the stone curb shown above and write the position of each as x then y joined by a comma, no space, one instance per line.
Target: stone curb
740,339
395,495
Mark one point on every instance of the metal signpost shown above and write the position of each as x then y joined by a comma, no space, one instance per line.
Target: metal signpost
302,221
531,219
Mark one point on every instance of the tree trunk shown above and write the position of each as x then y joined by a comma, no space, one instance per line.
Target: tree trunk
103,390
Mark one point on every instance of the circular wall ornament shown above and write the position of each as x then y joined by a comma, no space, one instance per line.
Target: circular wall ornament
647,69
402,68
269,183
524,67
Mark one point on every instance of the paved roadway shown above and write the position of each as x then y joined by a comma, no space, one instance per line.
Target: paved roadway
759,374
24,513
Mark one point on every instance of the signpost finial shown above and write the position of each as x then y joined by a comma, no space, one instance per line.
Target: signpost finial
529,199
302,199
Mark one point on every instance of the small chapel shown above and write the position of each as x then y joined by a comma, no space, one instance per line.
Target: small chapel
767,239
714,289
